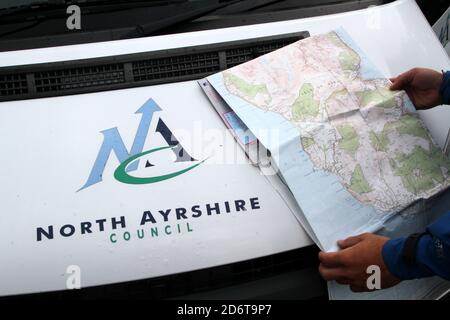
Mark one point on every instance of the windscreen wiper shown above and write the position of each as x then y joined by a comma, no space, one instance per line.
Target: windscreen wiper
232,7
150,28
39,11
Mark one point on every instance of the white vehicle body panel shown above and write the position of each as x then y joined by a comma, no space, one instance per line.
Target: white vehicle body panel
51,155
49,146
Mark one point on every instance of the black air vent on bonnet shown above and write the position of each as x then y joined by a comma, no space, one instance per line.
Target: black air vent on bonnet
133,70
13,84
78,78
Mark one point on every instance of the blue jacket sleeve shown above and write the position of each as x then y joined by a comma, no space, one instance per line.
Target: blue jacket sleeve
445,88
432,253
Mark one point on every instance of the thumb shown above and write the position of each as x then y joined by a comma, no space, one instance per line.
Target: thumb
349,242
402,80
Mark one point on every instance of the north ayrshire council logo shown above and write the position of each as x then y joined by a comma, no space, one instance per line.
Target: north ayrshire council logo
129,160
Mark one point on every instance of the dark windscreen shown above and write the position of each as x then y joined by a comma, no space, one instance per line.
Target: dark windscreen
30,23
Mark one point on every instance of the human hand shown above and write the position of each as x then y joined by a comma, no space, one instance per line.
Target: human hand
349,266
422,86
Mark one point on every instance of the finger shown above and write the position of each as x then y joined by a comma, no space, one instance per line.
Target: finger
350,241
403,80
331,259
330,273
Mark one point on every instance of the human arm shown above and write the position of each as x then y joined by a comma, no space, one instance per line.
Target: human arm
426,88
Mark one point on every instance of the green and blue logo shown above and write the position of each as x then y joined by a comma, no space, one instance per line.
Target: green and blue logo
129,160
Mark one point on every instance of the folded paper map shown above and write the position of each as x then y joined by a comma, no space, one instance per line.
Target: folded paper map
352,152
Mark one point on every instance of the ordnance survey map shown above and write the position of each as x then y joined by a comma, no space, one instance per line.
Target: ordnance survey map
352,152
